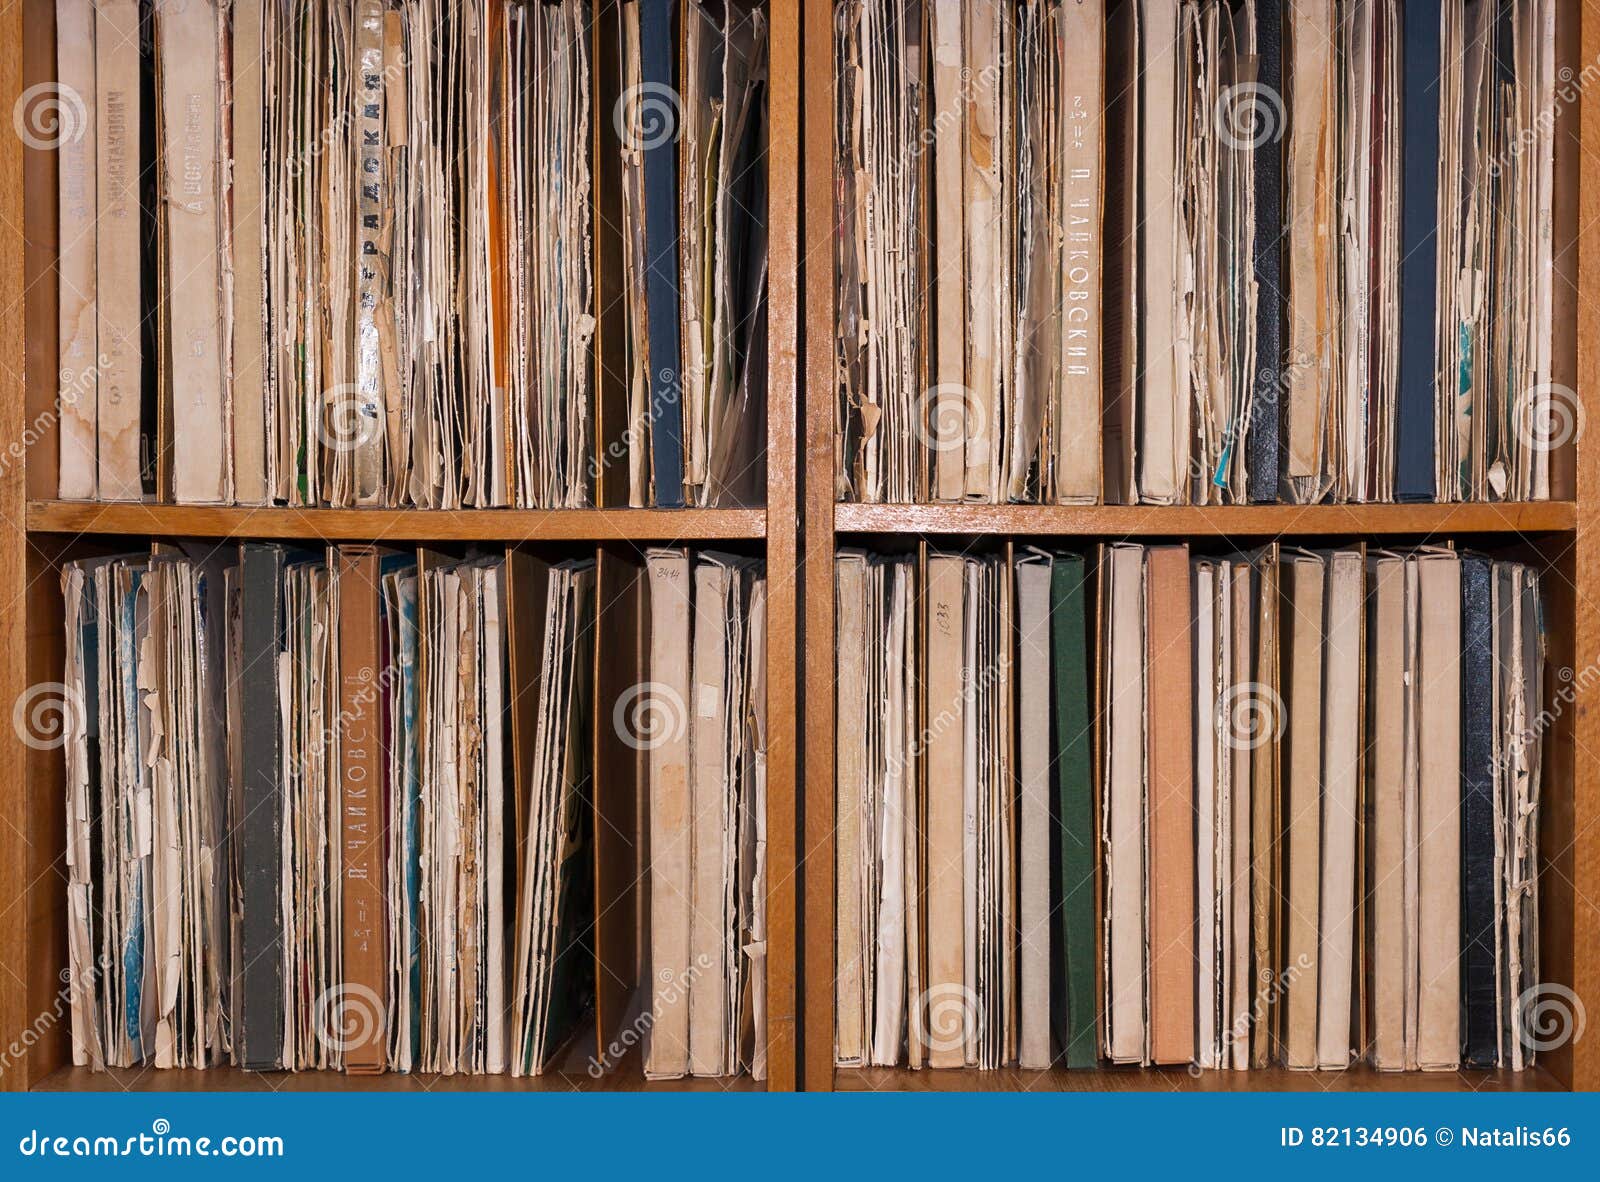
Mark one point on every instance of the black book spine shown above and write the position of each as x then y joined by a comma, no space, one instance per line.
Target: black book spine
1263,453
1419,224
659,139
1480,1019
258,835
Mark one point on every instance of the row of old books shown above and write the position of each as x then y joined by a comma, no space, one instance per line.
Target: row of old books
347,252
338,810
1148,806
1199,252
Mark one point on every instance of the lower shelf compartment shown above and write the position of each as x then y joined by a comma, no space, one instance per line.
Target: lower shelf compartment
1158,1079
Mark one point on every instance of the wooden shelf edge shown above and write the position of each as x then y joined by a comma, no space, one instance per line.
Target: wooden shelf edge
233,1079
1359,1078
1206,521
433,525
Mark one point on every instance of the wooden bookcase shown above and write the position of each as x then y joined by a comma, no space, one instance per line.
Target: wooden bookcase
1559,535
38,531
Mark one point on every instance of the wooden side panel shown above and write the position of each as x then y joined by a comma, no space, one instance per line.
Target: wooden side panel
1584,573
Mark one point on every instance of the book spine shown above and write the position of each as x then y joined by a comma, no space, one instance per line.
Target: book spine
76,155
258,837
1171,878
247,114
186,49
119,234
1074,805
1419,221
1082,56
656,46
1263,454
1479,914
362,829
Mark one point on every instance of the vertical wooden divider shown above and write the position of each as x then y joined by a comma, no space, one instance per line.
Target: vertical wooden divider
782,529
816,857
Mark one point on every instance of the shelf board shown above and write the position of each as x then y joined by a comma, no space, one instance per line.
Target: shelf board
234,1079
423,525
1134,1079
1222,521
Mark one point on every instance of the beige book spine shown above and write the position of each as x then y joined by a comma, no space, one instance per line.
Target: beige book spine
117,246
1439,815
1077,421
946,997
1162,422
1122,809
850,770
1171,804
249,395
986,83
1303,808
950,397
1341,800
1387,786
708,796
671,888
186,37
77,193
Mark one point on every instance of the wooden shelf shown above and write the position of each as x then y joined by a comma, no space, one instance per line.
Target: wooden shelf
1135,1079
1222,521
433,525
232,1079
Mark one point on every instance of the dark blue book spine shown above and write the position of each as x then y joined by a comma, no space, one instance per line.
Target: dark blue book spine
1419,224
661,252
1271,383
1479,917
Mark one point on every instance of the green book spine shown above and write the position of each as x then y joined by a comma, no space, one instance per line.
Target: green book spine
1073,1008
